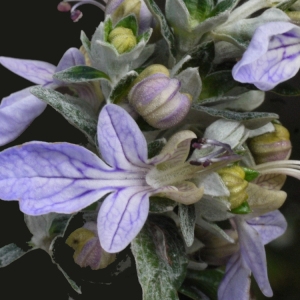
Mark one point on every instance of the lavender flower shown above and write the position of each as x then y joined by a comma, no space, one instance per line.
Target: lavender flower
271,57
66,178
19,109
253,233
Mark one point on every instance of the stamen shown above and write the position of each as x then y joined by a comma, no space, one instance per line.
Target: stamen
286,167
75,13
224,153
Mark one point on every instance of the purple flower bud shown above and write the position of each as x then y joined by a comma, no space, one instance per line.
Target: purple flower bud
271,57
158,100
272,146
64,6
88,251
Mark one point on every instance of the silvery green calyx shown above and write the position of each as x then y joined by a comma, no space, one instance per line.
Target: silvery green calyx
118,9
190,20
118,49
88,251
157,97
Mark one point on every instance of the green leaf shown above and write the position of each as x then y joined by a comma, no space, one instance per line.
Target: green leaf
190,290
80,74
251,120
199,10
107,28
9,253
250,174
161,205
243,209
129,22
144,36
59,224
155,147
72,283
286,89
187,217
122,88
285,5
202,57
165,29
78,112
85,41
207,281
217,84
223,6
160,258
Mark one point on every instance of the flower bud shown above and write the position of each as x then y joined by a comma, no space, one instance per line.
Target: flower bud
271,146
157,98
118,9
122,39
88,251
233,178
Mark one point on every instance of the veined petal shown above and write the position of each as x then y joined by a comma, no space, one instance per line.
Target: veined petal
121,217
176,149
271,57
269,226
121,143
36,71
17,111
72,57
236,282
253,252
60,177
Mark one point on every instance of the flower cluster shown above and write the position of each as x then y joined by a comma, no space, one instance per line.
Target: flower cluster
176,163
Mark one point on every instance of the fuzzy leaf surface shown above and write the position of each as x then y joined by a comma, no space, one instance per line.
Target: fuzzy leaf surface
187,217
80,74
160,258
76,111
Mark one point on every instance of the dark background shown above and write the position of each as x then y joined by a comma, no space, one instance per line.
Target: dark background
36,30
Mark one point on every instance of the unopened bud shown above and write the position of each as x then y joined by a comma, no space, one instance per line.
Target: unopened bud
233,177
271,146
88,251
122,39
157,98
119,9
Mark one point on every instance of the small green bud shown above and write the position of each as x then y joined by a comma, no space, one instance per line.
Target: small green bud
271,146
234,179
122,39
152,69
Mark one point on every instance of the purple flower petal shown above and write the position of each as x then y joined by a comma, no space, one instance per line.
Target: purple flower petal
121,217
273,56
38,72
71,58
121,142
60,177
253,252
17,111
236,282
269,226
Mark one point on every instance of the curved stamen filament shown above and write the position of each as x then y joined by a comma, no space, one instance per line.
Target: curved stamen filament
287,167
75,13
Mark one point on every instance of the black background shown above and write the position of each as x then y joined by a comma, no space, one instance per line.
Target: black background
36,30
